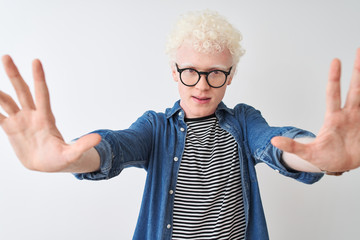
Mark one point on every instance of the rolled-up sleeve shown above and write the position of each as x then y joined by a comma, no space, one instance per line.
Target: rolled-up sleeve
106,170
259,135
121,149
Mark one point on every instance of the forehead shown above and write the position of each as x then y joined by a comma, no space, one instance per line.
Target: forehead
187,56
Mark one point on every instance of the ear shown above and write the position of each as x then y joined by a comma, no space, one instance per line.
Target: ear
230,77
174,73
229,80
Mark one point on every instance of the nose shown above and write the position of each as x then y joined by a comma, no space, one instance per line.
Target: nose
202,84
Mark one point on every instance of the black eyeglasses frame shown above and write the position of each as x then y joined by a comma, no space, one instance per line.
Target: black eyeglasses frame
202,73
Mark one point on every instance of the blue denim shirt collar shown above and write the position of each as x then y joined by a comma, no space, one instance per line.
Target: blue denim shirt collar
176,108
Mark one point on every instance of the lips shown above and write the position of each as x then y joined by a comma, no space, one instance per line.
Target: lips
201,99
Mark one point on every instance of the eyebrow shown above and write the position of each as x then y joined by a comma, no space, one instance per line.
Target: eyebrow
213,67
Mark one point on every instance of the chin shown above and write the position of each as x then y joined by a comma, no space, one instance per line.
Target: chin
203,113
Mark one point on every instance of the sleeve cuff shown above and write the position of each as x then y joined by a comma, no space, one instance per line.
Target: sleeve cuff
276,163
106,159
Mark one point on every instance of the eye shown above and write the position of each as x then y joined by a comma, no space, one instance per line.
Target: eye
190,70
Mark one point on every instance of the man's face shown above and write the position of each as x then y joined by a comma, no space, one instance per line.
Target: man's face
201,100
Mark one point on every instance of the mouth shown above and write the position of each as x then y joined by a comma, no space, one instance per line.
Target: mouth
201,99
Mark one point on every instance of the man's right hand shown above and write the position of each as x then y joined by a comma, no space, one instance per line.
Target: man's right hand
32,131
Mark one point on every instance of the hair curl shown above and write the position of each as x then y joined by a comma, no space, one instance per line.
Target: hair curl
208,31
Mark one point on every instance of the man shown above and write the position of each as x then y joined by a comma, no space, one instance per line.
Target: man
199,155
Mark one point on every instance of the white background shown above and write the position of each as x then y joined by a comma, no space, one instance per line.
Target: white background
105,65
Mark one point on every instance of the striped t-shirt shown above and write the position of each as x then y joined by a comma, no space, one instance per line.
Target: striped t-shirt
208,200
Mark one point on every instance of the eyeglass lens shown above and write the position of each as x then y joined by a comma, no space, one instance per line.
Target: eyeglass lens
191,77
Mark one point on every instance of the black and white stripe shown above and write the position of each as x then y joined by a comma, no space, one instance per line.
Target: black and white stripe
208,200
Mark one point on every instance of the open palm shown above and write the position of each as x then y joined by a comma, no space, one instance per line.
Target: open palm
31,129
337,147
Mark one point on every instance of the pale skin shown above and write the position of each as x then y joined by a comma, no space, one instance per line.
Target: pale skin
32,132
337,145
39,145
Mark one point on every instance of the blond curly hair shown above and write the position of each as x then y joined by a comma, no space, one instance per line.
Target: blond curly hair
208,31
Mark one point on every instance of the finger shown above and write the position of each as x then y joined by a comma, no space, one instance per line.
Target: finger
2,118
21,88
353,97
333,95
42,98
291,146
8,104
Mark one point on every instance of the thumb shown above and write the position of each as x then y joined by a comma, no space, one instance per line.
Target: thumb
86,142
291,146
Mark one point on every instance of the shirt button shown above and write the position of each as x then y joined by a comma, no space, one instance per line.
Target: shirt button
176,159
180,113
171,192
168,226
182,129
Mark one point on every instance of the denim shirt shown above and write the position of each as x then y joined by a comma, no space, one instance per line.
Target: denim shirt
156,143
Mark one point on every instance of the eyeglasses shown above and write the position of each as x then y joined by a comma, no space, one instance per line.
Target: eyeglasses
190,77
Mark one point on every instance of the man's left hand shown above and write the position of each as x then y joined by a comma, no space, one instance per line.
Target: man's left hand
336,149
